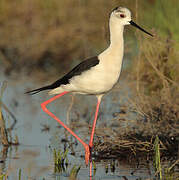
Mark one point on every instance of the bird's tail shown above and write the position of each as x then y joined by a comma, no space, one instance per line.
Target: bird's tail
35,91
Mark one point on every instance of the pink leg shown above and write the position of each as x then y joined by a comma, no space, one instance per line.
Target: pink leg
94,124
91,168
92,134
44,104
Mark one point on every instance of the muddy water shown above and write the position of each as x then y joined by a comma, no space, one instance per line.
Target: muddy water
38,134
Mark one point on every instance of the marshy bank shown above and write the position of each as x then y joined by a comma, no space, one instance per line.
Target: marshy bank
138,120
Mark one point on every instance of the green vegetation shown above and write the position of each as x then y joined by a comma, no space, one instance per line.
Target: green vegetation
20,173
94,167
162,16
3,177
61,164
157,163
74,172
60,160
168,172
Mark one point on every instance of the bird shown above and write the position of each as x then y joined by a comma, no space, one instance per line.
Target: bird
94,76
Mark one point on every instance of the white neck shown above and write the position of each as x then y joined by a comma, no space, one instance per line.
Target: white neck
116,35
116,47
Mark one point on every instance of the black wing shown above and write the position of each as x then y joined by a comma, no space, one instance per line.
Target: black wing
77,70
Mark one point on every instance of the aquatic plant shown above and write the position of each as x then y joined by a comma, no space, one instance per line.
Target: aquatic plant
94,167
157,163
20,174
169,172
74,172
61,164
60,160
2,176
166,173
3,131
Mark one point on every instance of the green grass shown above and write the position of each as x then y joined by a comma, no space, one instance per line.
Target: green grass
162,172
3,177
157,163
162,16
74,172
20,174
61,164
60,161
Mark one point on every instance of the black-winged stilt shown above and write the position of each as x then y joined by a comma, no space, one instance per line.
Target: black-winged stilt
94,76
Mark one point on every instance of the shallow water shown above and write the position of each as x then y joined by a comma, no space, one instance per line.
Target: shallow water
34,155
36,162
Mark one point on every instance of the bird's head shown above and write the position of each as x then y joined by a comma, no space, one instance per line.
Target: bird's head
122,16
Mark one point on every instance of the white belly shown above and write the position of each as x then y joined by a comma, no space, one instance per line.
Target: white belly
97,80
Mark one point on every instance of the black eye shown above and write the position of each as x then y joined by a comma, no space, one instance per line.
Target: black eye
122,15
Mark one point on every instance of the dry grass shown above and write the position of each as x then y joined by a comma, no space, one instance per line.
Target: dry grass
6,133
49,33
157,85
40,35
156,104
3,130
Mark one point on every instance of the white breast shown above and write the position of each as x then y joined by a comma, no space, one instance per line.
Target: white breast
100,78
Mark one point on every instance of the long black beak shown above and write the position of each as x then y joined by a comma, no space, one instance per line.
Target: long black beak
135,25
